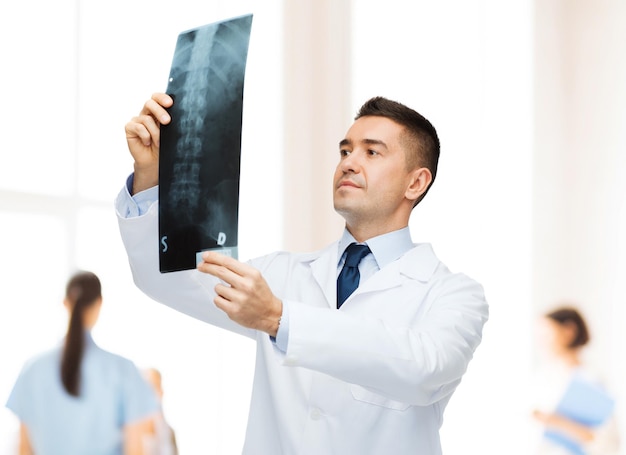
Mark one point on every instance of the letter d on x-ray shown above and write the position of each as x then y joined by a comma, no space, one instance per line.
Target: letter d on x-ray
221,239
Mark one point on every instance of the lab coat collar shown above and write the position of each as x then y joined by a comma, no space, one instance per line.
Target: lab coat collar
419,263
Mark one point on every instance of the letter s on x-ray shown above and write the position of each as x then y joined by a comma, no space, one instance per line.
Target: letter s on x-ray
164,243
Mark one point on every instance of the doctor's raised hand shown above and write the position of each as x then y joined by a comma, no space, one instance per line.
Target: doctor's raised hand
143,135
245,297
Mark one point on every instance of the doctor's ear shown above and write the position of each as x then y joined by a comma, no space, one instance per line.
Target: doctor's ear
420,180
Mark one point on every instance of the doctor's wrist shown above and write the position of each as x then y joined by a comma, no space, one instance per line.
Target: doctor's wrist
274,320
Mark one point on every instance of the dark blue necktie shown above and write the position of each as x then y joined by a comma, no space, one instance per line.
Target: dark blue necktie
349,277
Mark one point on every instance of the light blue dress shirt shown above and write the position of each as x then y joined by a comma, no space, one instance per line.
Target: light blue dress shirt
385,249
113,393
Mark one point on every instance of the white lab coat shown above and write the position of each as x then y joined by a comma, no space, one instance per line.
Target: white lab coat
371,378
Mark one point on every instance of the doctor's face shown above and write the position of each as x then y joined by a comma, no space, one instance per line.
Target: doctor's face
371,179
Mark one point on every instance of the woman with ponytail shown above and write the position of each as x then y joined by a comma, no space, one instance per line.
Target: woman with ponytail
78,398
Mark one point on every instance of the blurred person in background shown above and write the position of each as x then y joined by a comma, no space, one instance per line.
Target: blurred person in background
573,409
78,399
161,439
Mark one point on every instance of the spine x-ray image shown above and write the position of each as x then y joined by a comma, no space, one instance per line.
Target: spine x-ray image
200,150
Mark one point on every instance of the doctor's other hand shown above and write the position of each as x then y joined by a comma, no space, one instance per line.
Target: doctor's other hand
143,135
245,297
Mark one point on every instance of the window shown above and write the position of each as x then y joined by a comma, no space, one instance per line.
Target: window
74,82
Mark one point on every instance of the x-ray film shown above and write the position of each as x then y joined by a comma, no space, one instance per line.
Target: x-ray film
200,149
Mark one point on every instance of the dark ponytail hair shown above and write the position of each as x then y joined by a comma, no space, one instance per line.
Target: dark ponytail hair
569,316
82,291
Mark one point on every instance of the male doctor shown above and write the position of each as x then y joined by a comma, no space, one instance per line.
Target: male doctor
359,345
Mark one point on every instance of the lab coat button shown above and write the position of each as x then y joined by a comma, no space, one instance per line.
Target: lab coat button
316,414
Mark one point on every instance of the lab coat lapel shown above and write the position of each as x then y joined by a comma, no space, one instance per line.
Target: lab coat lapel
324,270
418,263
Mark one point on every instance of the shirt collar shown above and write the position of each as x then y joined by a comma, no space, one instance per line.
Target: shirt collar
385,248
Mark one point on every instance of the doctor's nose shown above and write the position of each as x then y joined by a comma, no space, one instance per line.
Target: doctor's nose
350,163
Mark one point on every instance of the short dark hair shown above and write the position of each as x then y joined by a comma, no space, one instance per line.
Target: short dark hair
421,140
572,317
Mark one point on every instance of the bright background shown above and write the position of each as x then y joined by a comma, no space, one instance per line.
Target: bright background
529,100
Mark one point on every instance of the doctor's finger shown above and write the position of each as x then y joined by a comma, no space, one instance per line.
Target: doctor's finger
156,107
221,272
228,292
240,268
225,305
145,128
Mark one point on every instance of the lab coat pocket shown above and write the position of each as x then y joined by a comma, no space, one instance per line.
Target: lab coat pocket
362,394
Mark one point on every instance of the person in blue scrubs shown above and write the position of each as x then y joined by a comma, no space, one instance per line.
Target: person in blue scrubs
78,398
